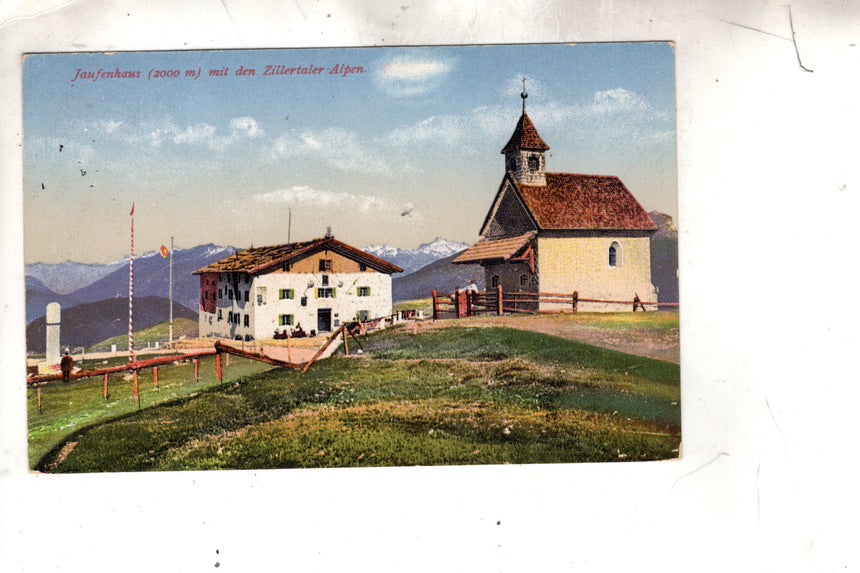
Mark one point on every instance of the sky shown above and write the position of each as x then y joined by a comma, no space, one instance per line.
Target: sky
394,145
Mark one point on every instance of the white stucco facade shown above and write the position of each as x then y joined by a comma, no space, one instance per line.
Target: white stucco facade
254,304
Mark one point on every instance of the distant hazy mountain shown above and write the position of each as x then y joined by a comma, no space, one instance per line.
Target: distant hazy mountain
87,324
39,296
664,258
441,275
413,259
69,276
151,277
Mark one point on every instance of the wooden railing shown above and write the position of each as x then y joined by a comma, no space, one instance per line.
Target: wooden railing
463,303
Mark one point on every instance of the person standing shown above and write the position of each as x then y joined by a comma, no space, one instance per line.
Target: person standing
66,364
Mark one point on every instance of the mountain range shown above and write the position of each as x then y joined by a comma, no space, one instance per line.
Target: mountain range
71,283
425,268
411,260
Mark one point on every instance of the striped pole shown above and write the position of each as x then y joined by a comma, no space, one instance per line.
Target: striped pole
170,291
131,291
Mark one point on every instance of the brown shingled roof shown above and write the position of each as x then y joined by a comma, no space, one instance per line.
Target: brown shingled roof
573,201
259,259
525,137
494,249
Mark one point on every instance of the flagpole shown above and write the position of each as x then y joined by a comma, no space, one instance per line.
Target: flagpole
171,292
131,291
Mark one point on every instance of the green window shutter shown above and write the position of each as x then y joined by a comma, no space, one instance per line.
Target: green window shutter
333,291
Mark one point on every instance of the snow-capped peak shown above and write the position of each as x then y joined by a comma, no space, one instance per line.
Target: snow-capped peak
442,247
382,250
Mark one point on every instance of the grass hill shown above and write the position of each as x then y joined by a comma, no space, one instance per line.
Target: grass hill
448,395
87,324
149,336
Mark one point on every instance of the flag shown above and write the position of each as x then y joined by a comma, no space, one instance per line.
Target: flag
132,209
164,251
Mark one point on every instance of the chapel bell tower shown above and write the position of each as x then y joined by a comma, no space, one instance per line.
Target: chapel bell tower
525,152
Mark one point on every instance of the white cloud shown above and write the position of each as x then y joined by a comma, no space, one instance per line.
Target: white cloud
110,126
411,75
200,133
246,126
438,128
203,134
302,194
618,100
339,148
157,131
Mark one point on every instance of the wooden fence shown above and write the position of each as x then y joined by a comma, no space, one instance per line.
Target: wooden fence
219,350
463,303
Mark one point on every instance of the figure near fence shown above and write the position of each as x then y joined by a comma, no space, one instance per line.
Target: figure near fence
66,364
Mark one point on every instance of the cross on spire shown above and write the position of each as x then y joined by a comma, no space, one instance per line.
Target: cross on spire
524,95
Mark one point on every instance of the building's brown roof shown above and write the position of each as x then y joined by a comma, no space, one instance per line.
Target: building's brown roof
494,249
259,259
573,201
525,137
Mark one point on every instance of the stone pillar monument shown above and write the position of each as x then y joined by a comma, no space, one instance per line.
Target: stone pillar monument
52,328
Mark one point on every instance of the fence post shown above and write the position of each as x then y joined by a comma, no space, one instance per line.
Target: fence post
136,391
196,362
345,343
435,305
499,300
218,372
575,300
39,397
105,386
457,302
155,378
469,311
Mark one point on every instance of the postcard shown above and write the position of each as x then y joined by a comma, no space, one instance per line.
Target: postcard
353,257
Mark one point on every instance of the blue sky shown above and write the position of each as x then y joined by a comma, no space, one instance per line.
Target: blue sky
402,153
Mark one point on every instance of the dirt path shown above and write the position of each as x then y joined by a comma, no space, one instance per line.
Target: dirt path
661,343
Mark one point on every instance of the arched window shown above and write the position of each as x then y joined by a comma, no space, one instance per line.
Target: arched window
534,162
614,254
524,280
494,282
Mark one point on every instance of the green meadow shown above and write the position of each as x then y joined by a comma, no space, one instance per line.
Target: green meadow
448,396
